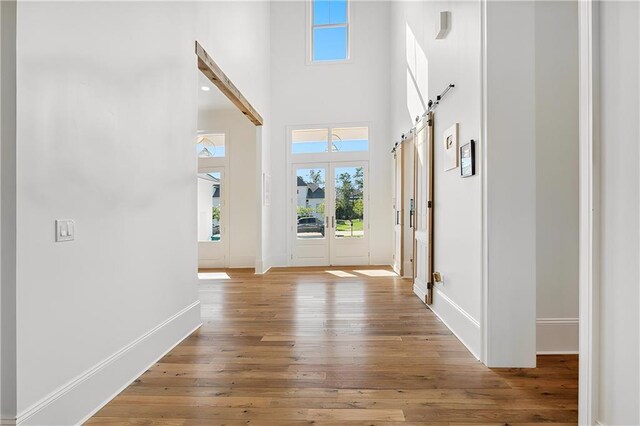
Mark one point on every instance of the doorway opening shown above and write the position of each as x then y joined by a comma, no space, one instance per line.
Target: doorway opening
225,178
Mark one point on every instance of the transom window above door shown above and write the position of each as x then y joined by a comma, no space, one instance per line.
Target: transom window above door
330,139
329,30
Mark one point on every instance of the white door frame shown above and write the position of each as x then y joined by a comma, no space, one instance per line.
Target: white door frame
327,157
589,214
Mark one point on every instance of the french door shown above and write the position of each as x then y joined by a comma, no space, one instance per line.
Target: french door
329,214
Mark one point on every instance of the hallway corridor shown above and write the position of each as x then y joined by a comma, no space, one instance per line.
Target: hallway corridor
333,346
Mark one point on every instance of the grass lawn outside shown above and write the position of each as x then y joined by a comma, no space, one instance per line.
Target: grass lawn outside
345,225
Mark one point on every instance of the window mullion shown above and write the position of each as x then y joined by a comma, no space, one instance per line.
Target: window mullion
329,25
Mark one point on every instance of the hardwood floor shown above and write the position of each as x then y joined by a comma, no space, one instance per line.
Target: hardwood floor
311,347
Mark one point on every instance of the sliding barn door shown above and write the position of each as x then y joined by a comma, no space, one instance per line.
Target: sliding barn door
398,203
423,241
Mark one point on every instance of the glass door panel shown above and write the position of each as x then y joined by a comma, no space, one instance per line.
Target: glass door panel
349,243
310,203
211,218
309,218
349,202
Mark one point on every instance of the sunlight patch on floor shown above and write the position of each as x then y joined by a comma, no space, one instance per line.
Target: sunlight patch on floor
213,276
341,274
376,273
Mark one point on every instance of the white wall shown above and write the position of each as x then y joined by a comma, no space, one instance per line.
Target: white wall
357,91
531,92
556,139
7,210
100,114
619,69
242,220
433,64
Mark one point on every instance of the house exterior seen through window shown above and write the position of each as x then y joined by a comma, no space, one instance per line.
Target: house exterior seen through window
329,30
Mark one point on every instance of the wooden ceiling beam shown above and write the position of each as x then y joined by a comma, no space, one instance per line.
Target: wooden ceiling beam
215,74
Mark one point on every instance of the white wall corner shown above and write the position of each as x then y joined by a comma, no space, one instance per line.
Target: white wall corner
76,401
508,61
555,336
262,266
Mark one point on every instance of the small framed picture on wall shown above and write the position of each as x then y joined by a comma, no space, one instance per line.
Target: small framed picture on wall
468,159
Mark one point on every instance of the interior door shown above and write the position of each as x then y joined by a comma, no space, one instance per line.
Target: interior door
423,247
310,214
408,152
398,207
349,207
212,218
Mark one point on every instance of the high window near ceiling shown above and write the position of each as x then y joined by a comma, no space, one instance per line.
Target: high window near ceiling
329,30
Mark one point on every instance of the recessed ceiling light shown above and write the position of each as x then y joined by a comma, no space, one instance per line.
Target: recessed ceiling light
205,88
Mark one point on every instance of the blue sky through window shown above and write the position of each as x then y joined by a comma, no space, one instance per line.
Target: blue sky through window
329,44
330,35
315,147
329,12
309,147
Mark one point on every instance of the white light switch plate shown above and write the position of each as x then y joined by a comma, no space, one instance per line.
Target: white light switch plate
65,230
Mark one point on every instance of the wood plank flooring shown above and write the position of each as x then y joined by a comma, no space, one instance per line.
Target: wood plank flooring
305,346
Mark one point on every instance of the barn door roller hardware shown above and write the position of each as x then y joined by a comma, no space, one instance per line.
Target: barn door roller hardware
431,105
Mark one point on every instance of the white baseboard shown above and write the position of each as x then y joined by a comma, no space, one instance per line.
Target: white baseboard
77,400
380,261
460,322
211,263
242,262
556,336
462,325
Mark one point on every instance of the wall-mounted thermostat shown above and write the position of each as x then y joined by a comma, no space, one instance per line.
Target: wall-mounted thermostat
468,159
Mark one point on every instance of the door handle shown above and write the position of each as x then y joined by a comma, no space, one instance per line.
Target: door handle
326,223
411,213
333,222
397,217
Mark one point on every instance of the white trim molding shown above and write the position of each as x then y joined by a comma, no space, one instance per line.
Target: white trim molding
80,398
557,336
464,326
589,213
